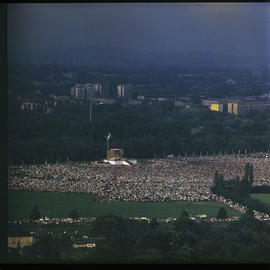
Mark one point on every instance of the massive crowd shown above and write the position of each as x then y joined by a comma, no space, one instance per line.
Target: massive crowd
179,179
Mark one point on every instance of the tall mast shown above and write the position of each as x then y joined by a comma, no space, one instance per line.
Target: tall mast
108,142
90,110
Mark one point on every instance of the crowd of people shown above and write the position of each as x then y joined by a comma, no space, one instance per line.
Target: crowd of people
178,179
87,220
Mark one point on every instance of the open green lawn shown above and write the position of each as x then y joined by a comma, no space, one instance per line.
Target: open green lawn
60,204
262,197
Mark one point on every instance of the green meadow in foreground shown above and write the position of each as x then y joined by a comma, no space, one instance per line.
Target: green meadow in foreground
60,204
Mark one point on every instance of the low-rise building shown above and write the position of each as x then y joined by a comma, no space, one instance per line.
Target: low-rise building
209,101
182,102
240,107
125,90
216,107
44,105
86,91
20,241
100,101
30,105
134,102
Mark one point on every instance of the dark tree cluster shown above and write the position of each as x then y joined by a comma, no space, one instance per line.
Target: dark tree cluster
184,240
143,131
239,190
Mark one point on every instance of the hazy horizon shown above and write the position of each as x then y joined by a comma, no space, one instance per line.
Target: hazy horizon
237,29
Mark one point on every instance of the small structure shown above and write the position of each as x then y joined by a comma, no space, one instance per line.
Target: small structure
20,241
115,157
84,244
115,154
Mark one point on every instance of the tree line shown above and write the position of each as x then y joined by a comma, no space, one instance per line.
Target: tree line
239,190
143,131
184,240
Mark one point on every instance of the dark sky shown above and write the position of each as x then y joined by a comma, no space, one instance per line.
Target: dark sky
226,28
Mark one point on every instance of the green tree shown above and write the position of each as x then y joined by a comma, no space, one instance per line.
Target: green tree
184,214
243,186
153,240
218,183
249,174
222,213
186,251
109,226
153,224
195,98
34,214
185,224
73,214
248,219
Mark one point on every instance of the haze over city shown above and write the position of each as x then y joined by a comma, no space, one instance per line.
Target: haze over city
141,30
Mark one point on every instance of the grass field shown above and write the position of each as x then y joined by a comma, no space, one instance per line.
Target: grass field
262,197
60,204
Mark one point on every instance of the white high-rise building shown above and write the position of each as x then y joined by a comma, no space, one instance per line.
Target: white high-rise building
121,90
